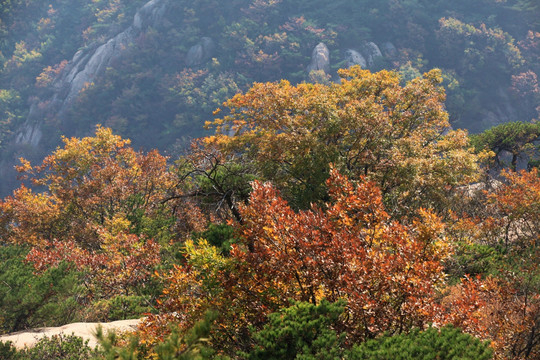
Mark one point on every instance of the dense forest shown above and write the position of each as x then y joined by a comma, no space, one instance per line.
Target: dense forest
272,179
155,71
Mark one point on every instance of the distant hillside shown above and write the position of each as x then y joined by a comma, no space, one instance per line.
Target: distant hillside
155,71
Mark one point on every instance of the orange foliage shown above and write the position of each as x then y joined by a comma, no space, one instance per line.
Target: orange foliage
368,125
518,203
89,182
388,272
49,74
102,203
124,263
503,307
503,310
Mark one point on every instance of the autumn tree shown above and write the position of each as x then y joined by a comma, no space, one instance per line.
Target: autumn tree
502,303
88,183
98,205
516,138
349,248
366,125
216,181
504,310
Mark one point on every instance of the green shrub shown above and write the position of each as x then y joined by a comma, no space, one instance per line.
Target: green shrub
57,347
302,331
28,300
218,235
7,350
193,345
447,343
119,308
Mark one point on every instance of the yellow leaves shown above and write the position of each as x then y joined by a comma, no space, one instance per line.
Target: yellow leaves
429,228
91,187
22,54
210,139
205,257
117,224
366,125
28,217
25,166
434,76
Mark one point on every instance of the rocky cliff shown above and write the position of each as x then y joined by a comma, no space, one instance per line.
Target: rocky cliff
85,66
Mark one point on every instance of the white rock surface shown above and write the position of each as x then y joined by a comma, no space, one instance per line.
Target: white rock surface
320,59
353,57
84,330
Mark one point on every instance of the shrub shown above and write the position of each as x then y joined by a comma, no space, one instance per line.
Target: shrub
302,331
447,343
7,350
57,347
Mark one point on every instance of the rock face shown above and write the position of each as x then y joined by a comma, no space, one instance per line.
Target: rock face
30,133
353,57
371,52
151,14
320,59
368,54
84,330
85,66
389,50
200,53
95,63
502,112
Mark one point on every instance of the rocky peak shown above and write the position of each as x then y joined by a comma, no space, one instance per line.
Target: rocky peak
320,59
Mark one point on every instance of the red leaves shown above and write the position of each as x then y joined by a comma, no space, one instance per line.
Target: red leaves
124,262
347,249
501,310
101,200
387,271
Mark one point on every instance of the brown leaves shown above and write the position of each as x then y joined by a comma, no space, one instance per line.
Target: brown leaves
504,306
502,310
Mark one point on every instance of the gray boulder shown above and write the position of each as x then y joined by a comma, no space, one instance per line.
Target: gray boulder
389,50
371,52
201,52
320,59
353,57
150,15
